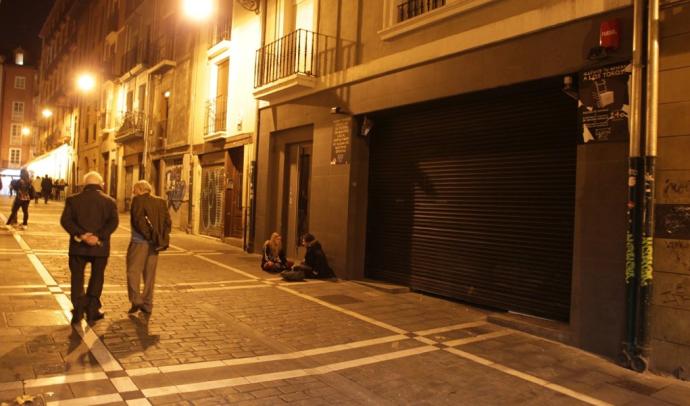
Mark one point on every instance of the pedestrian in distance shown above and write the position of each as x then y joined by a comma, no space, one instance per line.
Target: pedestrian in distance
13,182
0,185
315,264
46,188
36,183
90,218
274,259
24,192
151,225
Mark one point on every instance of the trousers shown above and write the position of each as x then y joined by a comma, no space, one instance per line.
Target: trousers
24,204
89,302
142,260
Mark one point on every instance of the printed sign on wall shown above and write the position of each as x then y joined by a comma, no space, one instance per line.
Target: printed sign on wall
340,144
604,103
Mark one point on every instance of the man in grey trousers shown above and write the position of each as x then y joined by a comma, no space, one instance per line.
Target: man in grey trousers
151,226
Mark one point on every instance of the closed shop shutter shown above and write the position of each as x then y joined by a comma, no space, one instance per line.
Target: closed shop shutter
212,190
472,197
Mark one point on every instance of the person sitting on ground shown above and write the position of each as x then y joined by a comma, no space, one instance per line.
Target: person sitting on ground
315,264
274,259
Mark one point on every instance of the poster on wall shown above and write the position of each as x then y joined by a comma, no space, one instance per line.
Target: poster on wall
340,144
604,103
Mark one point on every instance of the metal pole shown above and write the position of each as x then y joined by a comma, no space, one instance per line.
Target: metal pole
635,170
640,362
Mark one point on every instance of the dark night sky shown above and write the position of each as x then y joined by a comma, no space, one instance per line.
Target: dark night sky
20,22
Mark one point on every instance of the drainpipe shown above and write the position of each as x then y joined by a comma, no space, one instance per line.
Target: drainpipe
643,123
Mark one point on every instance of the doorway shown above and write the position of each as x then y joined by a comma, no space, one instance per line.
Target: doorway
233,193
295,199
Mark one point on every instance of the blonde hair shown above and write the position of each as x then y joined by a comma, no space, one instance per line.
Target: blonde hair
143,187
276,246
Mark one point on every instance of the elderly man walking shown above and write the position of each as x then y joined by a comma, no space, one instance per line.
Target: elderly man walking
89,217
151,224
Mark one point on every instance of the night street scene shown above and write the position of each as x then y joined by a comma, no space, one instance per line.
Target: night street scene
345,202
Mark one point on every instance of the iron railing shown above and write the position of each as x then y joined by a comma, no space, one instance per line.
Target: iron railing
221,31
135,56
160,50
412,8
300,52
133,124
216,115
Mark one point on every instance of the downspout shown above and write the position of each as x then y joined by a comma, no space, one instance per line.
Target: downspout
643,119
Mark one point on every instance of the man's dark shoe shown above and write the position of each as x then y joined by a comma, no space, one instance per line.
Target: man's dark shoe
77,315
133,309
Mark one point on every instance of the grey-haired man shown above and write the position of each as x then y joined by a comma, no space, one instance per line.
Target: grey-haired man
89,217
151,224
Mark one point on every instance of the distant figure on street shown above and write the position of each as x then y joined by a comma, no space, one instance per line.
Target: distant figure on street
24,193
36,183
274,259
46,188
151,225
0,185
90,217
59,188
315,264
13,182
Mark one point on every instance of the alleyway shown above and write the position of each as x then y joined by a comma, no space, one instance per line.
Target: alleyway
224,332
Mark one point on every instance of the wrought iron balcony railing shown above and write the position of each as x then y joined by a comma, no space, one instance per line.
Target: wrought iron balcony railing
412,8
135,56
216,115
221,32
133,125
300,52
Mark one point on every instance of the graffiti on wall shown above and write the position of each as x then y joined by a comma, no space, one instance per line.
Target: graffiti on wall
175,186
677,294
672,221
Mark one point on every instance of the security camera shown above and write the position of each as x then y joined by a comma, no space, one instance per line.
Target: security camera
336,110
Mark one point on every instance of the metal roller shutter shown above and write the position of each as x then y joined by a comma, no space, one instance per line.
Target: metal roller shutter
472,197
212,192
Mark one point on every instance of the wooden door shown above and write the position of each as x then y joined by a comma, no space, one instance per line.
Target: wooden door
233,193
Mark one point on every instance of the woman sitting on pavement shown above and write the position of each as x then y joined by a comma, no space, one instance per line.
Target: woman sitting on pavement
274,259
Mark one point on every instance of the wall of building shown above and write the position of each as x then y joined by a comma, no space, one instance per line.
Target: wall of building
9,95
670,309
339,195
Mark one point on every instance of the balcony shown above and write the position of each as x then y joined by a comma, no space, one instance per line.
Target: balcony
220,38
132,127
293,63
135,59
413,8
216,117
161,55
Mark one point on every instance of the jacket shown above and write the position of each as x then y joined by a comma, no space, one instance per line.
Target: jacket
157,228
270,256
316,259
90,211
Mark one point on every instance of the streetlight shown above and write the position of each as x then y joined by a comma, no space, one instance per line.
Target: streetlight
86,82
47,113
197,10
26,131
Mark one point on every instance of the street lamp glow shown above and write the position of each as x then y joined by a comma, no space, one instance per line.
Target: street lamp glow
86,82
197,10
26,131
47,113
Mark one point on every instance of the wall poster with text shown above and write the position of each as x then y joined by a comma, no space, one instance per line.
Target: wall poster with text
604,103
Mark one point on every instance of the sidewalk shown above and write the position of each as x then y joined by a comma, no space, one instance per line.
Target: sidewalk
224,332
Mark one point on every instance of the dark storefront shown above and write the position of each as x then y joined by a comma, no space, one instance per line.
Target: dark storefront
473,197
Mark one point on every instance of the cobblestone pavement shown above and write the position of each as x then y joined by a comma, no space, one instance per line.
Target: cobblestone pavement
223,332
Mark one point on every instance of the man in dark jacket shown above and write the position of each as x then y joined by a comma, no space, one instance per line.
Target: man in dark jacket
151,224
46,188
89,217
315,263
24,193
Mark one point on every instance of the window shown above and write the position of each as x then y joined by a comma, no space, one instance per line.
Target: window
17,110
403,16
15,134
15,156
20,82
